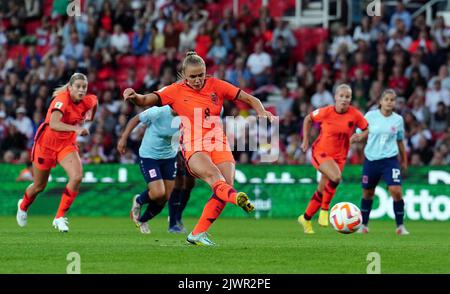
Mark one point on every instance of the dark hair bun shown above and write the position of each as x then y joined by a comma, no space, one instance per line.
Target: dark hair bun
189,53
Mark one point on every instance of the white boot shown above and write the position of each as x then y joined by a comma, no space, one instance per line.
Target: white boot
21,215
61,224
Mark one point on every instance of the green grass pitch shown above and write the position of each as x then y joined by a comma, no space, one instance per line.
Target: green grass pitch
265,246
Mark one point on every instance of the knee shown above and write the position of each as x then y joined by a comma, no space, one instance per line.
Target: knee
38,188
158,195
335,179
76,179
210,176
368,195
397,195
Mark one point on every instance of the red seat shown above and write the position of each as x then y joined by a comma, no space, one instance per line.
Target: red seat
253,5
48,6
17,50
127,61
32,26
210,70
105,73
42,50
141,72
278,8
144,60
308,39
157,61
121,74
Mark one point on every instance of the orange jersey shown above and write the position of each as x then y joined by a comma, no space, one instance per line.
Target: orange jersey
73,114
199,109
336,130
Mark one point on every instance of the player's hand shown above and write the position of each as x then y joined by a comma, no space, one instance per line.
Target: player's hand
122,146
305,145
355,138
404,166
82,131
268,115
129,94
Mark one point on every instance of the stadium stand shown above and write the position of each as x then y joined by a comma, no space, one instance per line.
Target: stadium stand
39,52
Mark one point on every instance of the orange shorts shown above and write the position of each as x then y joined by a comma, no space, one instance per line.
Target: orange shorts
45,158
319,157
220,155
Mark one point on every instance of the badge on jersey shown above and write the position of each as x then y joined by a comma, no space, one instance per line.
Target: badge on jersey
315,112
58,105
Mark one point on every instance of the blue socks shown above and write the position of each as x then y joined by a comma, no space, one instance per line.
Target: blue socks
174,204
184,198
143,198
366,207
399,211
153,209
177,203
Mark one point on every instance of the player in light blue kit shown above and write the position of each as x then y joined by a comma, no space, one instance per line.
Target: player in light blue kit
157,159
385,142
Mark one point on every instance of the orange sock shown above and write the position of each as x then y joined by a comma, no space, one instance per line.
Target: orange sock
66,201
211,212
26,201
328,194
313,205
224,192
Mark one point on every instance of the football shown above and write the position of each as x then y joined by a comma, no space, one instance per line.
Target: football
345,217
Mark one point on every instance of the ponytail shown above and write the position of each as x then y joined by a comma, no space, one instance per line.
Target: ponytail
59,90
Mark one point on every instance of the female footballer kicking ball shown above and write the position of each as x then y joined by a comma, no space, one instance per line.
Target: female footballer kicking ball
55,142
198,100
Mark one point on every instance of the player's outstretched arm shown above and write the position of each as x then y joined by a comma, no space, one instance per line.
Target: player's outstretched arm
150,99
307,124
256,104
122,144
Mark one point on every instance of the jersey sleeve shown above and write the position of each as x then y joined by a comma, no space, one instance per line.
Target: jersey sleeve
401,129
149,115
319,114
361,121
367,117
59,103
168,94
227,90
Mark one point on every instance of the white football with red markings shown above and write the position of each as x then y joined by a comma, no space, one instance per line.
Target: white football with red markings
345,217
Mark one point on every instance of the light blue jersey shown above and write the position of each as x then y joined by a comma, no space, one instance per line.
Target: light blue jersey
159,141
384,132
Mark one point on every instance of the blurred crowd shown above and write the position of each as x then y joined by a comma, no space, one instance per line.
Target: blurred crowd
140,44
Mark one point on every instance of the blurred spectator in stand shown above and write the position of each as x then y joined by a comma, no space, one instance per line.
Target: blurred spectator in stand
435,95
322,97
259,64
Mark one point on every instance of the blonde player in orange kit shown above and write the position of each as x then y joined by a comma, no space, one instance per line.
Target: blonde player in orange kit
55,142
329,151
198,101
